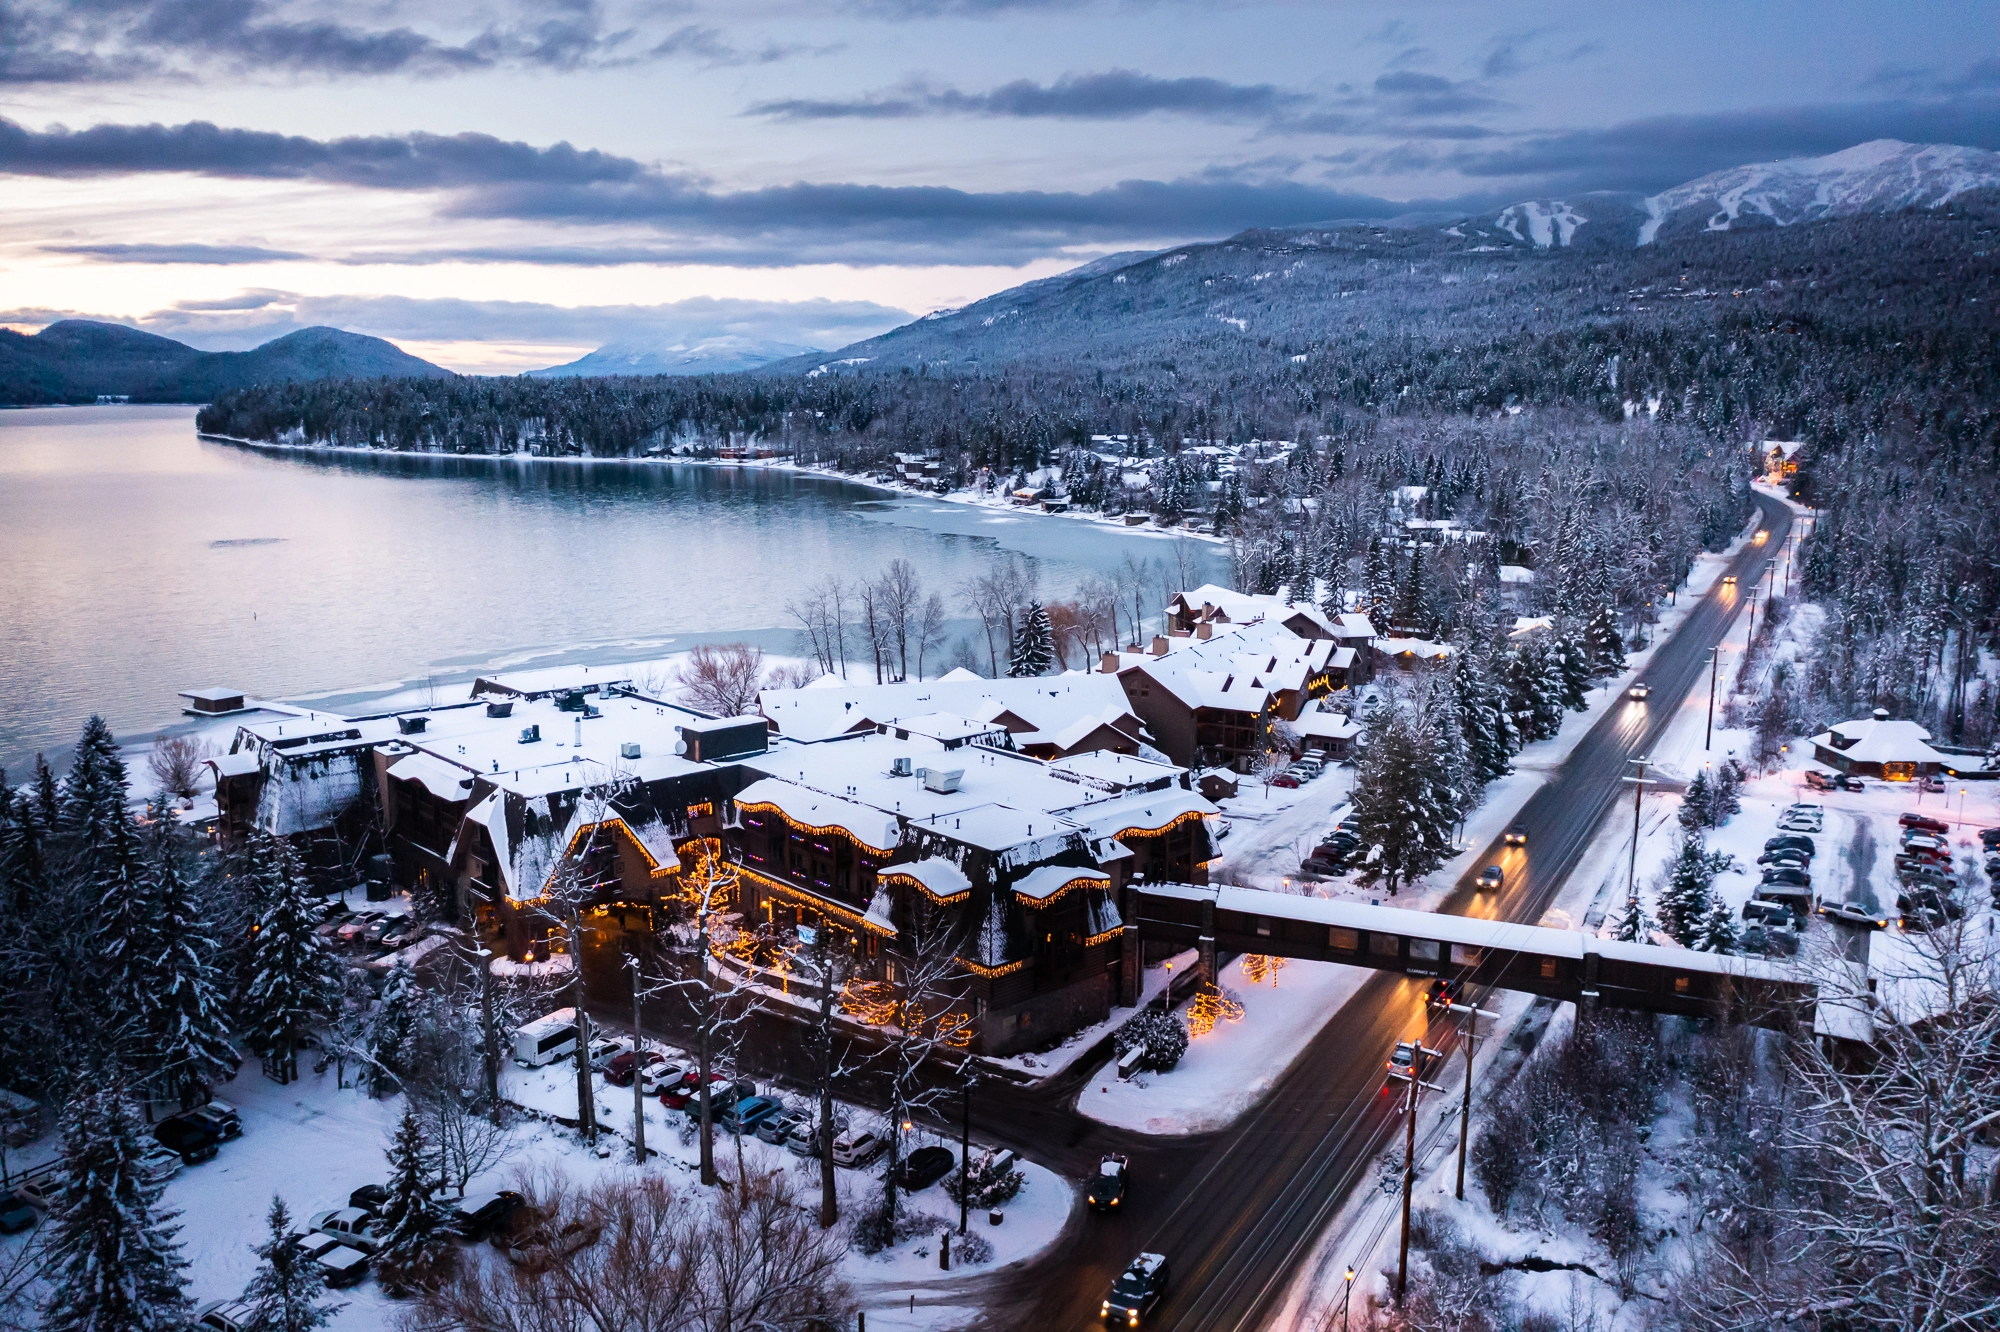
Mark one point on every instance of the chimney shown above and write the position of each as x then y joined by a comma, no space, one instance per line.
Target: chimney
1881,714
1159,645
1204,631
1110,663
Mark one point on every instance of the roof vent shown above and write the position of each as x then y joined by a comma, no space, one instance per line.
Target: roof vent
1881,714
412,725
629,750
500,709
943,780
530,734
899,766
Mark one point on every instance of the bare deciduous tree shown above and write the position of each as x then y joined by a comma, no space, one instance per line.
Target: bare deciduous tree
176,763
721,679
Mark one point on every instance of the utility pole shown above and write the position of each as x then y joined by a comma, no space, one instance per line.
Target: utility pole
638,1069
1410,1163
1639,785
1714,658
1472,1014
964,1148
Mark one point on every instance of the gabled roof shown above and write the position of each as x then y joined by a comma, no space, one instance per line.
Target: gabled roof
1879,740
1043,704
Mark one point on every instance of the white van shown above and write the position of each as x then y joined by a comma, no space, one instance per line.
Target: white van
546,1040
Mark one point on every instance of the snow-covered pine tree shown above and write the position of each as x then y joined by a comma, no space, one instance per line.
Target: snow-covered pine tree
1413,598
1482,716
92,798
112,1261
1633,926
1378,586
187,1022
414,1246
284,1292
1684,894
1572,662
1401,809
1697,804
47,803
390,1028
1034,644
1717,933
1603,644
126,934
294,978
1725,798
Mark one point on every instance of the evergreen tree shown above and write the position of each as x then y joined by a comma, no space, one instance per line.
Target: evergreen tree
1725,799
284,1293
294,979
1413,598
414,1245
1603,644
1482,715
1718,929
389,1031
1633,927
187,1014
1572,668
48,795
127,926
1378,587
1034,643
1697,804
92,797
1684,896
1403,800
113,1262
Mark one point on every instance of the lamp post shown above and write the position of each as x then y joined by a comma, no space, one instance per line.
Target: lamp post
1714,657
1346,1296
964,1147
638,1068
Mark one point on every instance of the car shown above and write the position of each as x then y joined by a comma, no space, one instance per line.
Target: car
1219,827
160,1163
604,1049
350,1225
1106,1192
1931,904
1781,940
1323,866
1780,874
681,1095
1911,819
857,1147
222,1316
1288,780
1810,823
722,1093
1403,1060
1729,580
1445,991
17,1214
340,1264
1920,862
1847,781
369,1198
478,1215
1639,691
924,1167
656,1078
193,1141
219,1118
1759,910
1921,841
1492,878
1935,785
1820,781
746,1113
1137,1291
1308,768
1796,841
1990,838
777,1129
1796,901
39,1189
1785,855
1517,835
1928,876
623,1067
1852,913
805,1140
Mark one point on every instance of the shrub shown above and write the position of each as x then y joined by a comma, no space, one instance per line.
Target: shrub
1161,1035
986,1186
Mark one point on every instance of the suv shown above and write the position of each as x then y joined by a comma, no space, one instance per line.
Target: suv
1138,1290
1792,842
1819,781
193,1141
924,1167
219,1118
857,1147
480,1215
804,1140
1517,835
746,1113
776,1129
622,1067
159,1163
1492,879
1107,1191
605,1049
340,1263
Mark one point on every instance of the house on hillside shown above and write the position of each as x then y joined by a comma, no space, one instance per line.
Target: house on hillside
1407,654
1895,751
1204,698
1781,459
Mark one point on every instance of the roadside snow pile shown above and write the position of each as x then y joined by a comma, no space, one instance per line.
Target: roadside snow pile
1224,1072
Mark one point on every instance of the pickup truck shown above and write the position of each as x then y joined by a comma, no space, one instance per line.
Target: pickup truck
1107,1191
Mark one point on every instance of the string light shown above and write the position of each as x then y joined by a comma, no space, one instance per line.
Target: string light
1209,1006
1258,967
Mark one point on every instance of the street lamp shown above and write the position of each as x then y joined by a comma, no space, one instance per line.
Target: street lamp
1346,1295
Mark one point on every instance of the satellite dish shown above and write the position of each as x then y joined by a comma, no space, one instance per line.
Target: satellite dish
680,746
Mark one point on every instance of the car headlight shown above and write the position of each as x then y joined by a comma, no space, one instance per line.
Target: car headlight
1134,1321
1107,1306
1114,1202
1093,1200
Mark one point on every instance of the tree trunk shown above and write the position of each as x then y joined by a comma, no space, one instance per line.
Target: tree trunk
704,1060
829,1203
586,1099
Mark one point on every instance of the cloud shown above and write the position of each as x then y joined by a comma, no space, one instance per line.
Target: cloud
1663,151
176,254
255,317
1409,93
709,46
1116,94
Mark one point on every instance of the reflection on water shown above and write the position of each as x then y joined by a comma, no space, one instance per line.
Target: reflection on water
140,561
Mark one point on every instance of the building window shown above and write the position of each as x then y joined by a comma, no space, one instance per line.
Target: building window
1385,945
1347,941
1548,968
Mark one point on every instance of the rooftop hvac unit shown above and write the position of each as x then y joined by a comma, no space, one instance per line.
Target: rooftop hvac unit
412,725
500,709
629,750
530,734
942,780
899,766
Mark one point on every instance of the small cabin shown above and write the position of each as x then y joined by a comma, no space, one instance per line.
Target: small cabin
214,701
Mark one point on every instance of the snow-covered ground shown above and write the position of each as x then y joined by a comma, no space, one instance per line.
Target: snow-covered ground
1225,1071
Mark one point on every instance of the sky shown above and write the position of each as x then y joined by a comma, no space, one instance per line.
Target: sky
502,185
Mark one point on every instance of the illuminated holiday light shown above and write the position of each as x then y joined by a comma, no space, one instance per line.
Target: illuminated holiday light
1210,1006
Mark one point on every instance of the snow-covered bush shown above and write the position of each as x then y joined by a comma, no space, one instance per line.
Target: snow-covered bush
1161,1035
875,1231
986,1186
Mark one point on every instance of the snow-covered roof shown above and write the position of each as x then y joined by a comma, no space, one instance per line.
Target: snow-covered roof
1116,772
1879,740
1046,704
444,780
1326,724
1237,671
1353,624
1045,884
1421,648
467,738
1516,573
935,875
240,764
872,828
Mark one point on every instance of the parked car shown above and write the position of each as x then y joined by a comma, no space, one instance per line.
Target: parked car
1989,838
722,1093
193,1141
620,1070
1923,897
1820,781
1220,827
1758,910
656,1078
924,1167
1922,841
857,1147
350,1225
777,1129
1492,879
1795,841
1287,780
222,1316
219,1118
1322,866
39,1189
1935,785
1639,692
746,1113
1784,857
804,1140
605,1049
1138,1290
1784,874
1853,913
160,1163
17,1214
369,1198
1517,835
478,1215
340,1263
1106,1193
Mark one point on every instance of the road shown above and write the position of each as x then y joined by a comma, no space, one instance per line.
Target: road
1237,1211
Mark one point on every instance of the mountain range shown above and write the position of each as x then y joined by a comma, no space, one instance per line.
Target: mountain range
80,360
1295,291
718,355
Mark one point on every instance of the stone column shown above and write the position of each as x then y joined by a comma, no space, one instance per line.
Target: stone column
1205,947
1131,957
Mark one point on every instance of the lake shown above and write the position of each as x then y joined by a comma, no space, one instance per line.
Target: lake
140,560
